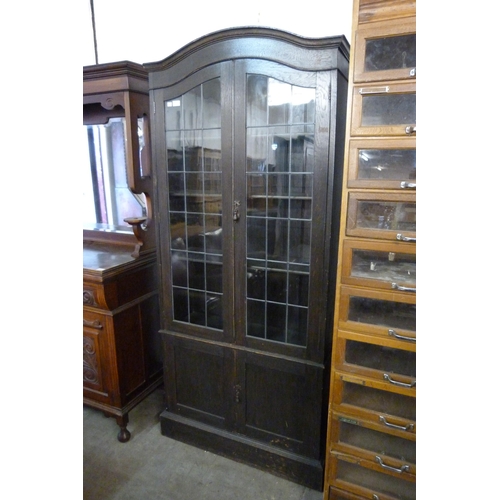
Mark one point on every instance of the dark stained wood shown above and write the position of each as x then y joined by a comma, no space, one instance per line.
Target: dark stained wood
122,354
256,401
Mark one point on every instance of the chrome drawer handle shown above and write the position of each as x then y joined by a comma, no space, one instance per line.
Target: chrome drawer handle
400,237
413,72
411,130
400,384
395,286
404,468
408,427
408,185
393,333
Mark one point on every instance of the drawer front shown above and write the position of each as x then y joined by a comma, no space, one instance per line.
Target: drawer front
386,51
385,216
367,479
96,381
93,296
389,406
336,494
385,314
377,264
384,109
351,437
389,363
382,164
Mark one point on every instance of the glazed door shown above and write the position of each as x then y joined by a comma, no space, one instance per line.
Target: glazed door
194,174
246,170
281,172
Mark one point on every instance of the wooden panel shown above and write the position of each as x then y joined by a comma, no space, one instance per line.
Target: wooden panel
381,10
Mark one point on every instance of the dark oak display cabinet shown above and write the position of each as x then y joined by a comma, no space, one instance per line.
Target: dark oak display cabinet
122,360
248,137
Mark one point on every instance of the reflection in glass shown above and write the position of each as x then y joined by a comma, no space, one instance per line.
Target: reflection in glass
388,109
383,313
280,165
394,52
386,215
389,403
376,357
372,480
387,164
107,199
384,266
194,176
377,442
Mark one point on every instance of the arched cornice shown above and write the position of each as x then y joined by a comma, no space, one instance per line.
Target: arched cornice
313,54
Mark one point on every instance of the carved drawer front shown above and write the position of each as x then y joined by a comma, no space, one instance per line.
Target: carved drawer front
390,315
94,333
382,164
384,109
351,436
386,51
385,216
389,406
376,264
391,360
93,296
371,479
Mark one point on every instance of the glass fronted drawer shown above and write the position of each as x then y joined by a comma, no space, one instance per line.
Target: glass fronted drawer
392,407
361,477
336,494
382,215
387,109
391,360
379,264
386,52
383,164
353,437
377,312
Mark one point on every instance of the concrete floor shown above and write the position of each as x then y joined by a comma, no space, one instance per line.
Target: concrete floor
153,467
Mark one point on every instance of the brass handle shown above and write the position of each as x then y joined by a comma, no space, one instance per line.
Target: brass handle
236,210
408,427
404,468
393,333
395,286
400,384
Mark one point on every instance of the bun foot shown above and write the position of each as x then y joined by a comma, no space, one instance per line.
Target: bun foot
123,435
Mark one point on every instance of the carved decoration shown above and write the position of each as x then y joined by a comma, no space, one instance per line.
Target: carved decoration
88,298
93,324
90,365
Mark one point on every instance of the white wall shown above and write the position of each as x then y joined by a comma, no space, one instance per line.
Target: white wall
150,30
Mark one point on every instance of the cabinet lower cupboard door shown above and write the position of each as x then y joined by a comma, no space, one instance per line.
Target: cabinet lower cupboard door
246,167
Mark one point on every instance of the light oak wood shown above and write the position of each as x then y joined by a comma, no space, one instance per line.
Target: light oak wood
373,383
